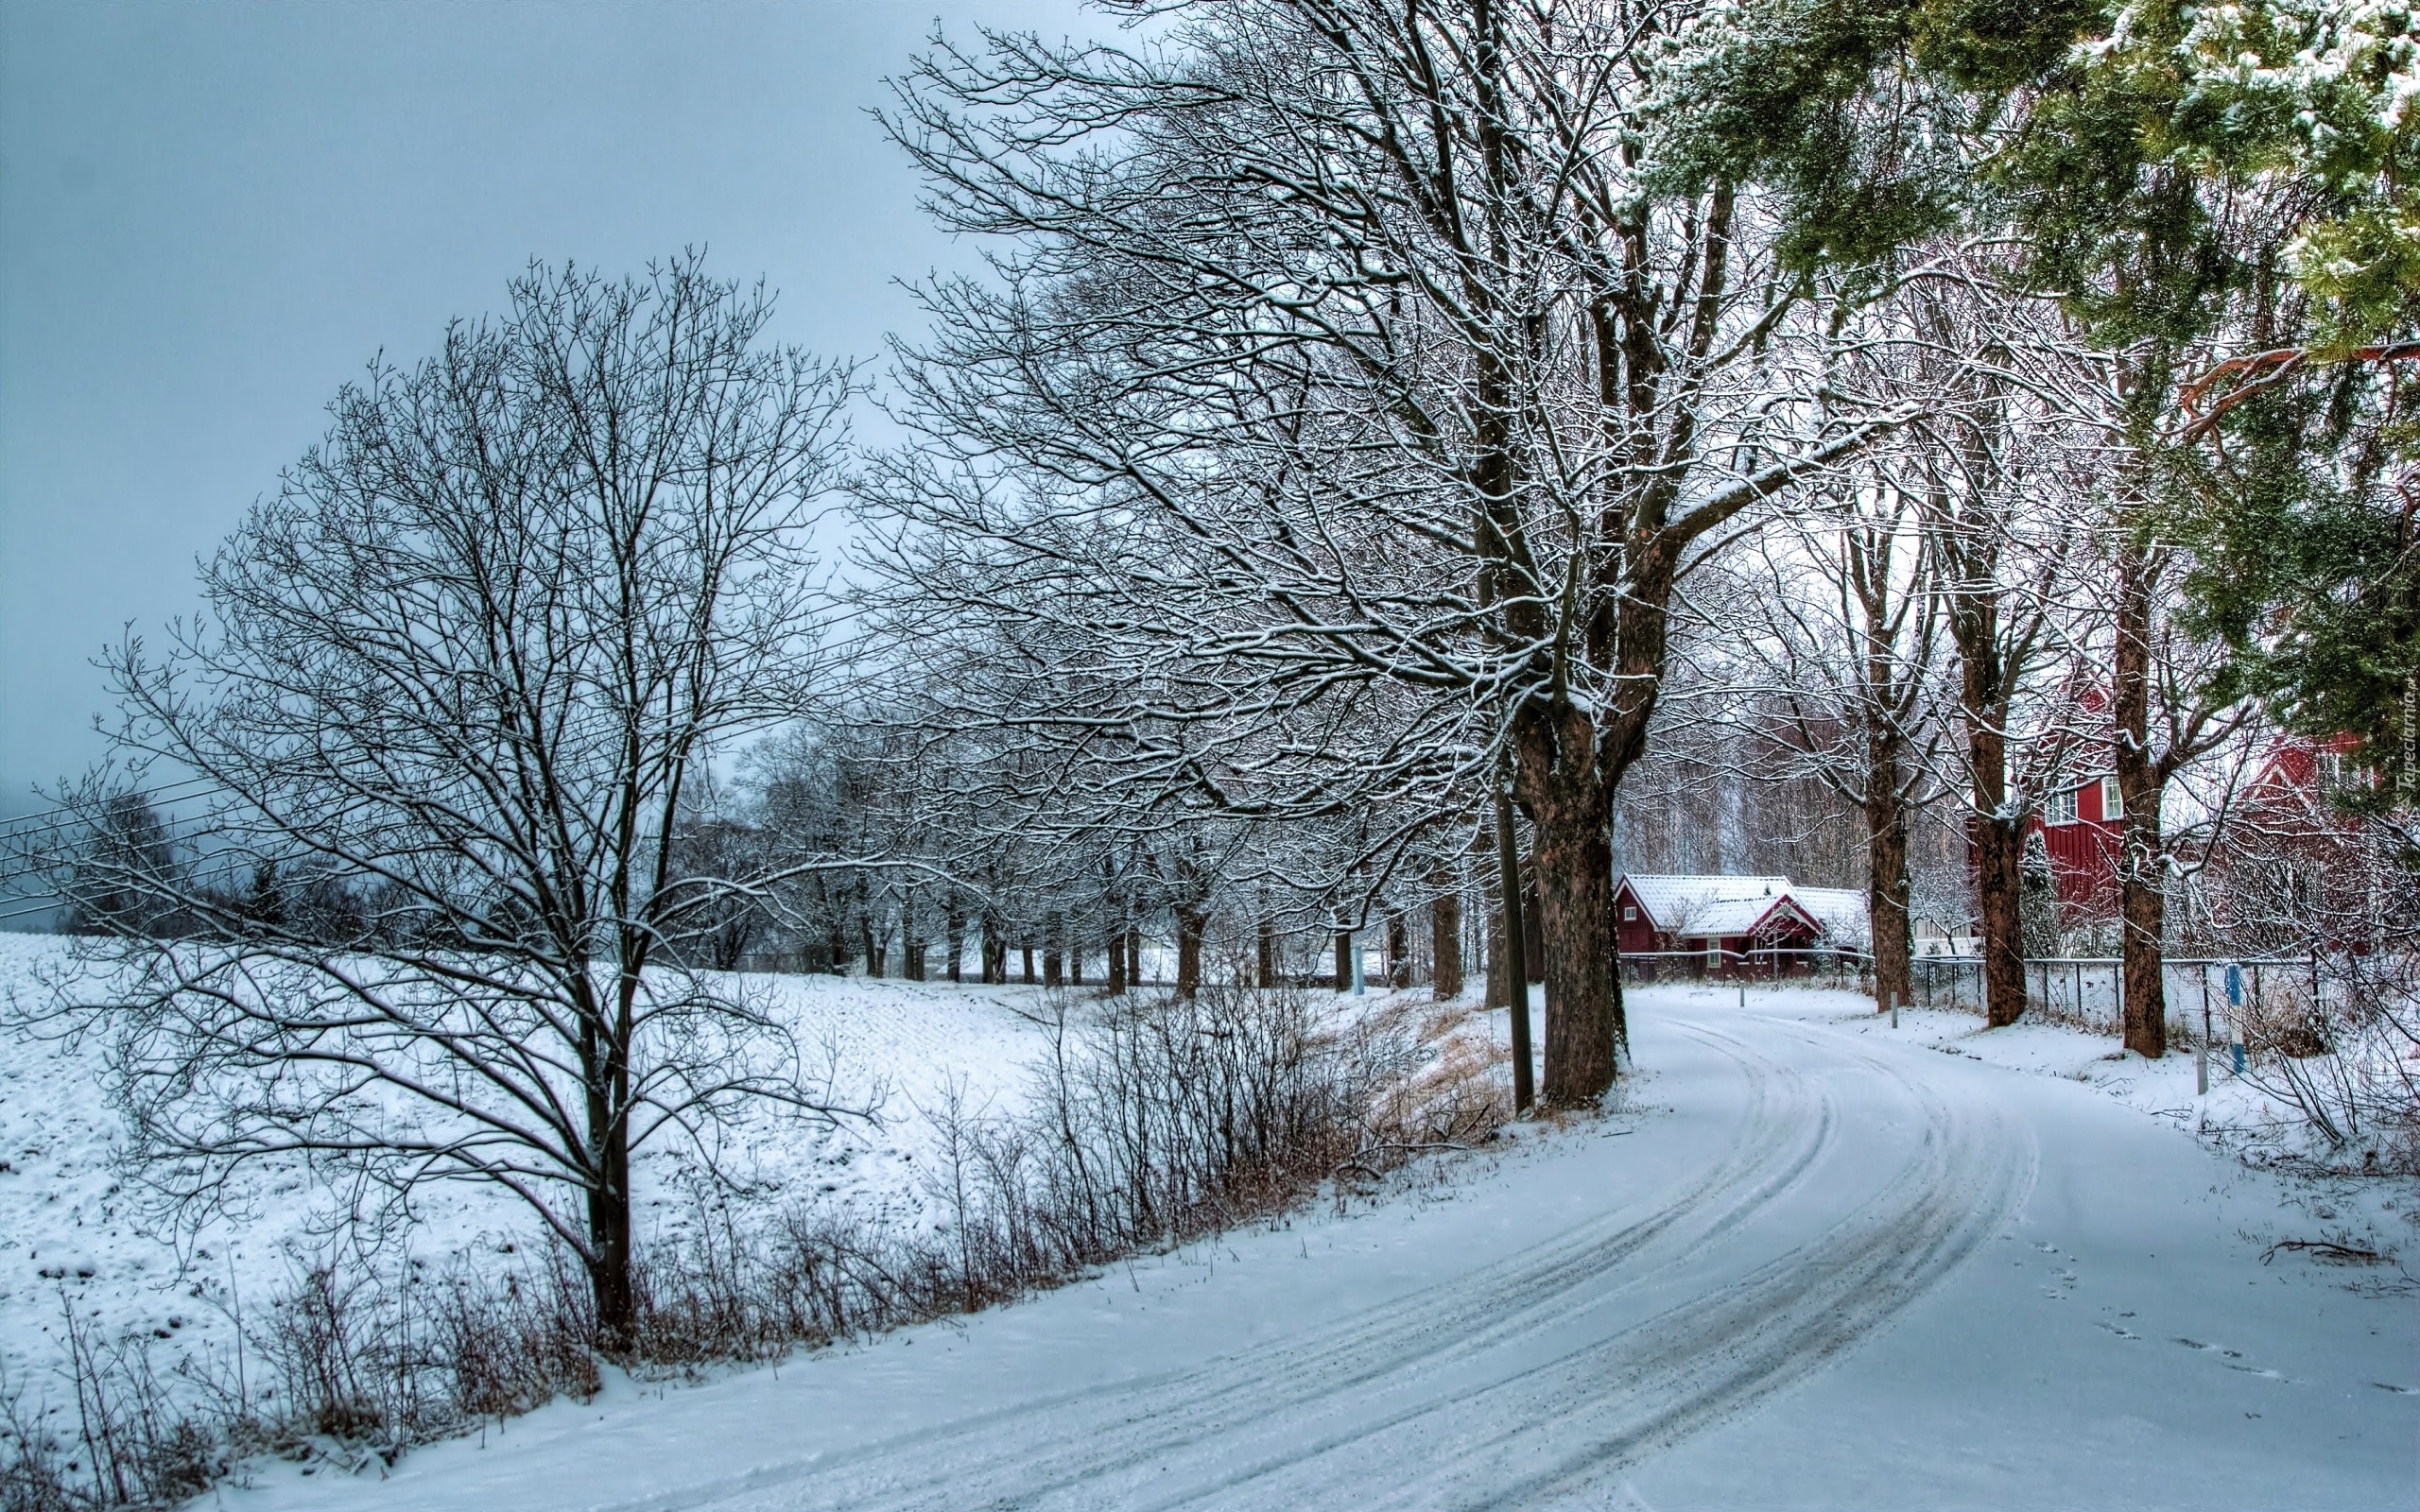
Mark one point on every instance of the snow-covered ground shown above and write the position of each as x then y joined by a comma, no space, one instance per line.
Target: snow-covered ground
1812,1261
74,1233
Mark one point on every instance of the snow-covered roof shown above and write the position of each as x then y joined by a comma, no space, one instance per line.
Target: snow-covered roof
1840,911
1736,905
1706,905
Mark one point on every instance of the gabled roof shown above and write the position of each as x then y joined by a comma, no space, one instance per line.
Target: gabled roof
1839,911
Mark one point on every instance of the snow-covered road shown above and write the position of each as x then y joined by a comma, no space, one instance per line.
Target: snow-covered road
1820,1265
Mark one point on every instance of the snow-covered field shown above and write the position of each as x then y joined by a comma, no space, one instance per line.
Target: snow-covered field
1810,1260
75,1232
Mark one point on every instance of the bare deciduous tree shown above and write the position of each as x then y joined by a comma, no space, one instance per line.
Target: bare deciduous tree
1847,635
469,659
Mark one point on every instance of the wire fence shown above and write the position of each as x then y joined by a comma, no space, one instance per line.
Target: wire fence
2085,991
2089,990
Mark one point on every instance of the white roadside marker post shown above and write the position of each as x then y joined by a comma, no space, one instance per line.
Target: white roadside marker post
1894,1010
1354,945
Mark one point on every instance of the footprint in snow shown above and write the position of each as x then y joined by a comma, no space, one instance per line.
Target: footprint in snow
2232,1356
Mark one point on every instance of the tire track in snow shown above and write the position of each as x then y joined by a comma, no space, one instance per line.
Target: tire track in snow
1477,1392
1693,1368
1776,1139
1598,1408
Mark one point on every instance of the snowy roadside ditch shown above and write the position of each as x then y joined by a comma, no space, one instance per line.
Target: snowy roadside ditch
1018,1138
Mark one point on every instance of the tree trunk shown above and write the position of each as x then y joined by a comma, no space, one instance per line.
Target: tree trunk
610,1287
1573,861
1054,969
2143,910
608,1212
995,950
1343,959
1188,951
1534,939
1999,857
911,938
1265,952
1398,950
1445,936
2143,905
1887,884
1999,834
1117,960
1135,955
956,939
1573,899
1025,954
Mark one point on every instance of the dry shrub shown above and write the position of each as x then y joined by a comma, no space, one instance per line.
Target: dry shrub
2346,1055
124,1438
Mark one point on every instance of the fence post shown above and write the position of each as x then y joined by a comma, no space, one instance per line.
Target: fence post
2201,1049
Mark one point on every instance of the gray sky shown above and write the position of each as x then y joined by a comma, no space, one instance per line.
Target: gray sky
211,215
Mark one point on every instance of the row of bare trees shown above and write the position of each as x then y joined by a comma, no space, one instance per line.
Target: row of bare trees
1363,399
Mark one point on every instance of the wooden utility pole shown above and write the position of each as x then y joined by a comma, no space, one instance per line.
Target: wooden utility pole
1516,965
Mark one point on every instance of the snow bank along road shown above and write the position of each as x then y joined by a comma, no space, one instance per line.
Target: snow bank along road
1823,1266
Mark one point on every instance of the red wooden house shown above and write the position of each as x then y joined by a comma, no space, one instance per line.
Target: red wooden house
1720,925
2082,823
2082,820
2295,781
2298,870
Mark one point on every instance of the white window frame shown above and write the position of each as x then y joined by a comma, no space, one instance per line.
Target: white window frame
2060,807
1630,913
2113,801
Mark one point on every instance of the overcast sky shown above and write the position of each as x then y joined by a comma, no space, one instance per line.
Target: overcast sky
211,215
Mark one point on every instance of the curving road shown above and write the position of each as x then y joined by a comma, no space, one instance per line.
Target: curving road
1532,1335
